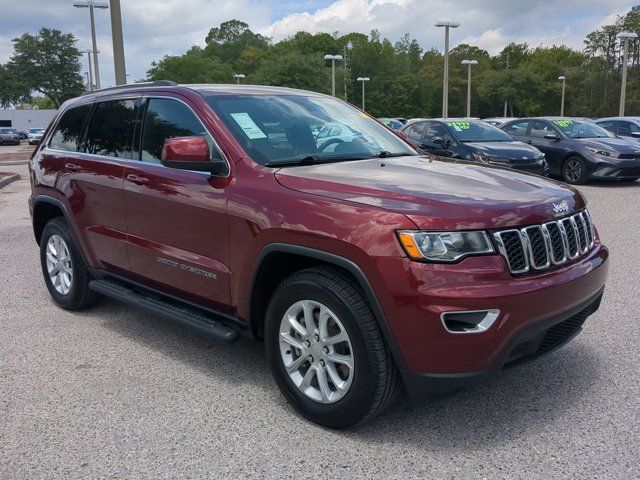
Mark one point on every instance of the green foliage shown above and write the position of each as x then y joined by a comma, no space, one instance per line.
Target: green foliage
47,63
407,81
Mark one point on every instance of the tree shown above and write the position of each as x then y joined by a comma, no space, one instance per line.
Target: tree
47,63
192,67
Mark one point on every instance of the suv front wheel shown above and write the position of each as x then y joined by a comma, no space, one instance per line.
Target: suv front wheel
326,351
65,273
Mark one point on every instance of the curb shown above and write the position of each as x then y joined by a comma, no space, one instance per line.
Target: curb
14,162
7,180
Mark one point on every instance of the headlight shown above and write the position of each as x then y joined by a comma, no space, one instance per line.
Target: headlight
602,153
444,246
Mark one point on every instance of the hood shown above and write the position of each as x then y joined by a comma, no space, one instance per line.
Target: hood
438,193
615,144
514,151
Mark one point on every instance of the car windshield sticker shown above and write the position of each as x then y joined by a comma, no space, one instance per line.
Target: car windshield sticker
459,126
248,125
563,123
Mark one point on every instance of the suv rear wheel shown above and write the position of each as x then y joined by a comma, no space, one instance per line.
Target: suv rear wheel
326,350
65,273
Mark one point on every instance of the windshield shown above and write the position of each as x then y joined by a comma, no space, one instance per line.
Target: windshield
36,130
579,129
7,130
477,132
293,129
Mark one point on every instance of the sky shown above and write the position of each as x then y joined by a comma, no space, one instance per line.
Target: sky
154,28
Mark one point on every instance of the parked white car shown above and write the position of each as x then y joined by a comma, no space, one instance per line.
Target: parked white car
35,135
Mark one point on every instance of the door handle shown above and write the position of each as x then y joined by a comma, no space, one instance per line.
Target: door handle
137,179
72,167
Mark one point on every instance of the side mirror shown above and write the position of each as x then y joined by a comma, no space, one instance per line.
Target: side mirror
635,134
552,136
438,140
191,153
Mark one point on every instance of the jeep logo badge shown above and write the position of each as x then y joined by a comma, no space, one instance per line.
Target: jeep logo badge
562,207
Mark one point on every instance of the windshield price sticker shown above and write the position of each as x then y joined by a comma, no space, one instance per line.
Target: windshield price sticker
248,126
563,123
459,126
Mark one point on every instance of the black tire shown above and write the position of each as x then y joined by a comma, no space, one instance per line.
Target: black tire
574,171
375,382
79,295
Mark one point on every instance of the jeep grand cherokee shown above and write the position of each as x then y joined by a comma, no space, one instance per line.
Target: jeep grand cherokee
363,266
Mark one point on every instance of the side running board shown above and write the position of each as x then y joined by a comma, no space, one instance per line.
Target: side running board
205,325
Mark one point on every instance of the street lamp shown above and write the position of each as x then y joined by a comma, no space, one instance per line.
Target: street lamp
469,63
238,76
91,4
363,80
564,83
445,88
118,45
333,59
88,51
625,36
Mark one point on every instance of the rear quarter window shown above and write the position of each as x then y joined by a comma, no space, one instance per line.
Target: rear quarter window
68,132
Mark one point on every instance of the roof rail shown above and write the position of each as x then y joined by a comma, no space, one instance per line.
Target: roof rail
155,83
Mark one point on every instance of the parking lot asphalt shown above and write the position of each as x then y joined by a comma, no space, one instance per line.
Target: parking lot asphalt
115,393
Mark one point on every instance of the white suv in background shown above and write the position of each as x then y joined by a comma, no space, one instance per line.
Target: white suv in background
35,135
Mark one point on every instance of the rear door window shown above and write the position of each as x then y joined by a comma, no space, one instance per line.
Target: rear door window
518,129
111,128
416,131
68,133
167,118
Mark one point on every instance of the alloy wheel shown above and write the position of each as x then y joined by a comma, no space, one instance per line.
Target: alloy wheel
573,170
316,351
59,265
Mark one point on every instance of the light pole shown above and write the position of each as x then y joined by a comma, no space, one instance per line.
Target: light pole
445,87
564,83
118,44
468,63
625,37
363,80
238,76
91,4
333,59
88,51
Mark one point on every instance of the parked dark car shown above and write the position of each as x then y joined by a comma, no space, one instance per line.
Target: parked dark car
22,134
627,127
363,266
9,136
578,150
474,140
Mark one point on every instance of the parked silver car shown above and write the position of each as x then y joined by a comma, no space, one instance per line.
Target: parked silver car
9,136
35,135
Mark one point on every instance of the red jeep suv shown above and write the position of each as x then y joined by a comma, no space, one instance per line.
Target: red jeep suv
364,267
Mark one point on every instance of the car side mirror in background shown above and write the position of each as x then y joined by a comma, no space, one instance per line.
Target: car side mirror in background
635,134
438,140
552,136
191,153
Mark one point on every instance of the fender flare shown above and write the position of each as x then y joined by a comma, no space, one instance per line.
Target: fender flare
348,265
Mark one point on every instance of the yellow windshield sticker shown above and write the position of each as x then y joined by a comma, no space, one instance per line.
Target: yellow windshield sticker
563,123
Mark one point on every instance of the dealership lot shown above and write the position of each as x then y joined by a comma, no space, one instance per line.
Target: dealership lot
113,392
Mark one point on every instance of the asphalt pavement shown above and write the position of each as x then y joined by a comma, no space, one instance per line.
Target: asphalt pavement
115,393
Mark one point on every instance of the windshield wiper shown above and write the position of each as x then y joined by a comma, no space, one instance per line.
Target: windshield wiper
387,154
310,160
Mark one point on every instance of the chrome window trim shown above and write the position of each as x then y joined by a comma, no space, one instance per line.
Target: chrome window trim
47,148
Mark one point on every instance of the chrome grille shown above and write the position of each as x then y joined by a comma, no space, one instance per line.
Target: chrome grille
538,247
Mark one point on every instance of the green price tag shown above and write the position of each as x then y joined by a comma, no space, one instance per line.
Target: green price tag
563,123
459,125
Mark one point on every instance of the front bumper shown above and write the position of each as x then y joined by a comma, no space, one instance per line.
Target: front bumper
528,303
619,169
529,344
